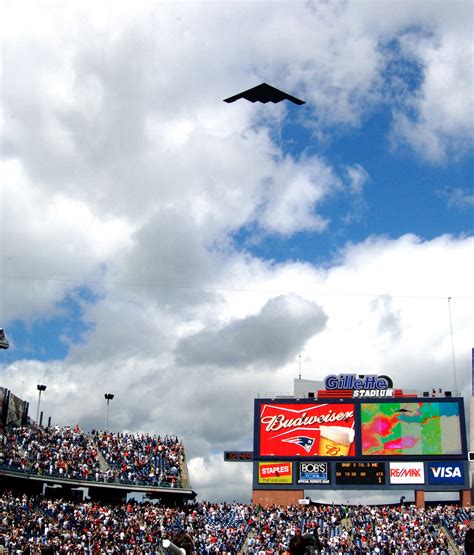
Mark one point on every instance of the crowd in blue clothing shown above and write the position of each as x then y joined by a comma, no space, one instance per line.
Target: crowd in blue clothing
142,458
404,530
385,530
70,453
32,524
455,520
60,451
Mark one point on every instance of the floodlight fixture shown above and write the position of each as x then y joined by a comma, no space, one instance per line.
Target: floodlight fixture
108,397
40,388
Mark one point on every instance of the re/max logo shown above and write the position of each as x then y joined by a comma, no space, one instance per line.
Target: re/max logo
405,473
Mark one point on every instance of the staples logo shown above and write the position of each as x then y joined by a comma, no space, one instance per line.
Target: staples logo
407,473
445,473
275,473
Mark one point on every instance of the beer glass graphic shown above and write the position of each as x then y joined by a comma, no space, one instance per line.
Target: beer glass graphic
335,441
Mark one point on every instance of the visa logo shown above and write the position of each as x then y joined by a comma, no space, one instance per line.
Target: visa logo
446,471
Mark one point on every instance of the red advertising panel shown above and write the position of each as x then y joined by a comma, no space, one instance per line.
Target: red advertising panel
307,430
275,473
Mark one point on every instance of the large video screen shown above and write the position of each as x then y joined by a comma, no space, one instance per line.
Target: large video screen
306,430
410,428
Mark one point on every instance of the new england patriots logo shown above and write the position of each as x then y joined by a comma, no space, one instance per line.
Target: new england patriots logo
303,441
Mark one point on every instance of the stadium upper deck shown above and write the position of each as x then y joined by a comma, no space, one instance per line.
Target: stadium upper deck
69,456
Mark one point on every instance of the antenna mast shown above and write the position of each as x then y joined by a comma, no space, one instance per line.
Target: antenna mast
299,375
452,349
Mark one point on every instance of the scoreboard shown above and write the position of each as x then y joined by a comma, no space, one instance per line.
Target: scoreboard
238,456
358,473
360,443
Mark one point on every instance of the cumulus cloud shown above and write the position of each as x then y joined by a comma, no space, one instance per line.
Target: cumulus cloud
270,338
437,119
458,198
50,244
170,372
234,478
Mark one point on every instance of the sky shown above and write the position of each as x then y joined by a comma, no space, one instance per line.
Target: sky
188,255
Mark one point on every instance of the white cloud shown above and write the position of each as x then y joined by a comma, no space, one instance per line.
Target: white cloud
234,478
438,121
50,244
292,195
386,302
358,177
458,197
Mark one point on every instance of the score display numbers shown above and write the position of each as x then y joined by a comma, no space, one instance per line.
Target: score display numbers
371,473
238,456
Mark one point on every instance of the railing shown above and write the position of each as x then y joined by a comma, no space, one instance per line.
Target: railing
100,479
274,395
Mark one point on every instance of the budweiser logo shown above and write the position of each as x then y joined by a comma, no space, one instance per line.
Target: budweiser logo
280,421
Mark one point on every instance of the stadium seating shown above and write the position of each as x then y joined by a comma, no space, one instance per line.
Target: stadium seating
90,527
93,527
70,453
141,458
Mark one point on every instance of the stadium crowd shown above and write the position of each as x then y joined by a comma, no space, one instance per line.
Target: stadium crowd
456,520
384,530
142,458
31,524
71,453
63,452
406,529
28,524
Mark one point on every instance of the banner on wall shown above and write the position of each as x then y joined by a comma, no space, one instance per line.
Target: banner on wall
304,430
444,472
275,473
407,473
314,473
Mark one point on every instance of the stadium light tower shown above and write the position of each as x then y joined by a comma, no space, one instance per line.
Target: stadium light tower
108,397
40,389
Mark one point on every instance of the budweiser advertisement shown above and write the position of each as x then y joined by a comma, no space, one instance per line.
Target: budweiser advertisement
306,430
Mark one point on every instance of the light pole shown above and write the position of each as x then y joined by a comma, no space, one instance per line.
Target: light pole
40,388
108,397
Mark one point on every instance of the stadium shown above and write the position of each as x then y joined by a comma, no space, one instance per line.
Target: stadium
201,201
68,491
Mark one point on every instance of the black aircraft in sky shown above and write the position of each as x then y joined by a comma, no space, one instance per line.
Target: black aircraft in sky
264,93
3,340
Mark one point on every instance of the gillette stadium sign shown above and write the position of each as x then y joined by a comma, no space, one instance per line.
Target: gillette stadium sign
369,385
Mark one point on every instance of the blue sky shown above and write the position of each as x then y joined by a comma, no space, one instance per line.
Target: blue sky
403,194
167,245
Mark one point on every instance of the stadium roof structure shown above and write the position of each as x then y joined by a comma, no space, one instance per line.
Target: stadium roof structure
26,481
